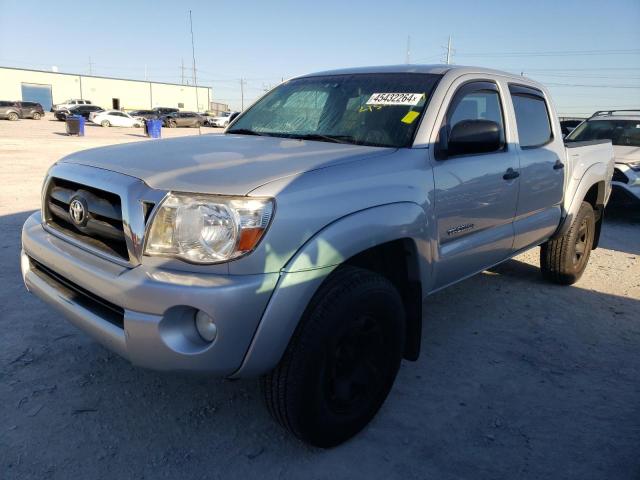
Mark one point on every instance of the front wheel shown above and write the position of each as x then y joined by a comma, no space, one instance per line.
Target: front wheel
342,360
105,123
563,260
173,124
12,116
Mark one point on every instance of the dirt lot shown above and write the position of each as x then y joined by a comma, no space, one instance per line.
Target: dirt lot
518,379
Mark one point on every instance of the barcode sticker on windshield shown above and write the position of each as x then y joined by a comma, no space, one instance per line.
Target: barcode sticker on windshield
395,98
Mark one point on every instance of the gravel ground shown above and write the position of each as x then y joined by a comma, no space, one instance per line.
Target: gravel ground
518,378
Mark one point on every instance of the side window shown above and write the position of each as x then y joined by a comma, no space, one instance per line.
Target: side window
532,117
476,121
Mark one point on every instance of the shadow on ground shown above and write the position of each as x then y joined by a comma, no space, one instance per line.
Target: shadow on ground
518,379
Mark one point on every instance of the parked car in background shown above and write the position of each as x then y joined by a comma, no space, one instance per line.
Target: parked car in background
30,110
567,125
15,110
69,103
82,110
116,118
144,114
165,110
183,119
622,127
9,110
223,119
395,183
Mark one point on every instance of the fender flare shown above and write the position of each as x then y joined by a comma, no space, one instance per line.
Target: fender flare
594,175
311,265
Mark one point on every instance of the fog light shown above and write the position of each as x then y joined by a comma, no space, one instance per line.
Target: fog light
206,326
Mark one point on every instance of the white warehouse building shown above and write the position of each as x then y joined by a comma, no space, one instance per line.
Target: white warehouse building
50,88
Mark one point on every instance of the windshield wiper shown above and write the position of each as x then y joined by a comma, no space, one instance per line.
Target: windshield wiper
245,131
326,138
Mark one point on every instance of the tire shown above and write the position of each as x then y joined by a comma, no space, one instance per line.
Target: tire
172,125
342,360
563,260
36,116
12,116
105,123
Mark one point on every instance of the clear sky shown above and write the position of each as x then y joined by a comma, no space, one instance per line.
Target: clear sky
587,52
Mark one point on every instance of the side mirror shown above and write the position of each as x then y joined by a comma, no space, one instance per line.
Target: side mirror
474,136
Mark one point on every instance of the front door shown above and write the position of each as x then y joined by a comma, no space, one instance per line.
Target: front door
475,194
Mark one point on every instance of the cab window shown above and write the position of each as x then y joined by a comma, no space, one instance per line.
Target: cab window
532,116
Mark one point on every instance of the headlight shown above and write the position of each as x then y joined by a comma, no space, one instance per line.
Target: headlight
207,228
634,166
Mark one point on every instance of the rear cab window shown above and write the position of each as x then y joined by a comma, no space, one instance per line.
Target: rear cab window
533,121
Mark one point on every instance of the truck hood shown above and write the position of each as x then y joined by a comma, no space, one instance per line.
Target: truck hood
223,164
626,154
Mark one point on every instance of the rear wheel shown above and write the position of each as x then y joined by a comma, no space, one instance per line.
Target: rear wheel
563,260
105,123
36,116
342,361
13,116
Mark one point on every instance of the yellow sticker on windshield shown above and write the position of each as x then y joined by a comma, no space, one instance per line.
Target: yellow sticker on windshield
410,117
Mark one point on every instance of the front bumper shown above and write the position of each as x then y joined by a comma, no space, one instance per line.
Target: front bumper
626,186
155,327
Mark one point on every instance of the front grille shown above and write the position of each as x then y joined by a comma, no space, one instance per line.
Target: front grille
95,304
618,176
101,228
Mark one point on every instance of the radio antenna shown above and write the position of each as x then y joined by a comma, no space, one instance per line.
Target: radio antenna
195,80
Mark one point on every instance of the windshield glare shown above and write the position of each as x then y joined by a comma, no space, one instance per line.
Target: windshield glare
620,132
364,109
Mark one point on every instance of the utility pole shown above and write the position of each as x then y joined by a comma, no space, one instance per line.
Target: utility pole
242,82
449,51
407,59
90,67
182,70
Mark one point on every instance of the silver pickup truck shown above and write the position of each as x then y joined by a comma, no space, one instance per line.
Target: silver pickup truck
299,245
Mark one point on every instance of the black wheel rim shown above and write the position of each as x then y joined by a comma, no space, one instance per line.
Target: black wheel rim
582,242
357,366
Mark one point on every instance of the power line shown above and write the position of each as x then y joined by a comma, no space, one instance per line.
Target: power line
553,53
590,86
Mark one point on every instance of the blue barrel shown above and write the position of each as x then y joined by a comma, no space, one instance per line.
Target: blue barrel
153,128
75,125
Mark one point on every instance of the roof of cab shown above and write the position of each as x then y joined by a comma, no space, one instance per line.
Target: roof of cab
438,69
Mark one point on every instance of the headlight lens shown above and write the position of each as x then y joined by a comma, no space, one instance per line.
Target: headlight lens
207,228
634,166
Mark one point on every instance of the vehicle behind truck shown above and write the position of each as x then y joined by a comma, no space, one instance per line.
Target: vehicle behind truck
622,127
299,246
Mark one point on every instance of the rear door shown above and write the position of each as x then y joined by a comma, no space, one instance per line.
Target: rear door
541,168
476,194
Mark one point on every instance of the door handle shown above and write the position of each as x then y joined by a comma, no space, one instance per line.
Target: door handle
558,165
511,174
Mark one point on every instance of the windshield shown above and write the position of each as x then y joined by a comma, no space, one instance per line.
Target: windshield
380,109
620,132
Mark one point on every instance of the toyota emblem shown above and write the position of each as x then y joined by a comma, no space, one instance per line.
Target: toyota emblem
78,212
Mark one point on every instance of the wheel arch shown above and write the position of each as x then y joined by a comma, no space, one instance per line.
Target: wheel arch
377,238
593,189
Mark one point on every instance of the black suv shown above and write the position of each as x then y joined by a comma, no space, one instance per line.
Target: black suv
145,114
82,110
15,110
165,110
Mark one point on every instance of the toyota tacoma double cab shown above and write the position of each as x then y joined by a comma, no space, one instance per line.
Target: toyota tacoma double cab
299,245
